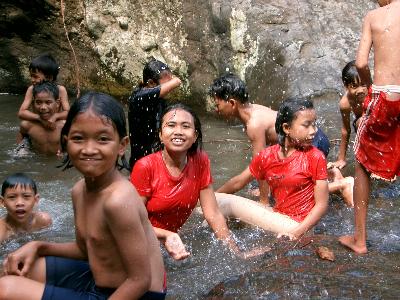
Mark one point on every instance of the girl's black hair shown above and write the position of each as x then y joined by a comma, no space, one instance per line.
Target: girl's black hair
46,64
350,74
18,179
153,70
287,113
229,86
48,87
102,105
197,145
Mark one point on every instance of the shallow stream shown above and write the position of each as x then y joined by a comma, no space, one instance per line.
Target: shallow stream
289,271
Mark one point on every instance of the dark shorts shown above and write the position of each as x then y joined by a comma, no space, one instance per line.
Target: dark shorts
321,141
68,279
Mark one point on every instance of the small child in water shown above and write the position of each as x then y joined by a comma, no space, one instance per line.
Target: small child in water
44,68
45,104
351,102
19,197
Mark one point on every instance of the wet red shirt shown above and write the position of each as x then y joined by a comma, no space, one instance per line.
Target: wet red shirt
171,200
291,180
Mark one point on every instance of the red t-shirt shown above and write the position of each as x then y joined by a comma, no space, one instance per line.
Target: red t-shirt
291,180
171,199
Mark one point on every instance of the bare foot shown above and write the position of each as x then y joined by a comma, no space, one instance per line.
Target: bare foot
347,191
350,242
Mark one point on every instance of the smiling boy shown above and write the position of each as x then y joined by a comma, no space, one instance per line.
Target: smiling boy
19,197
45,103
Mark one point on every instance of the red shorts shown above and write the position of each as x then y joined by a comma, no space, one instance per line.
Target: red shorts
377,144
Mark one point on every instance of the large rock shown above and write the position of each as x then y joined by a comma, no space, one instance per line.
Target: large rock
280,47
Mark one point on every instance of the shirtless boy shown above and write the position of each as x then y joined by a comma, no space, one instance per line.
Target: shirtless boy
45,103
351,102
377,143
231,99
19,197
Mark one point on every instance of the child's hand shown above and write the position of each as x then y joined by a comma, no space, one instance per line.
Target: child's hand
291,236
20,261
48,125
175,247
340,164
255,252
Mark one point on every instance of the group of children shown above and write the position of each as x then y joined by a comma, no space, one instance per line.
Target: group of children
116,254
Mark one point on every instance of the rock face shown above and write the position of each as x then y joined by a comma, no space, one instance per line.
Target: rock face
281,47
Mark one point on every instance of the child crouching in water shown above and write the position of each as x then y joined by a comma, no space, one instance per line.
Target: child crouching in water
295,172
19,197
116,254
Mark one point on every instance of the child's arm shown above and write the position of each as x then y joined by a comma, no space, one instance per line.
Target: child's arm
124,220
321,195
345,110
170,85
236,183
217,222
172,243
363,52
215,218
258,142
171,240
27,254
24,113
23,131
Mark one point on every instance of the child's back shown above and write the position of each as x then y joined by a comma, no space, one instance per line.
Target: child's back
382,30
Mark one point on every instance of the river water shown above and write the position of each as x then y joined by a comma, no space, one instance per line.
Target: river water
289,271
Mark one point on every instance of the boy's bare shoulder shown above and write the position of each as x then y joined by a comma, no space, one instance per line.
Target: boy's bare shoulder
122,194
344,103
41,220
4,232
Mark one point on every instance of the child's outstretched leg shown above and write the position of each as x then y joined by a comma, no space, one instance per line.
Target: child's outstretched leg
357,242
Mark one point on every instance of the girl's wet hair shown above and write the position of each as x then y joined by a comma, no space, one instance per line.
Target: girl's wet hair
46,64
102,105
46,86
350,74
229,86
153,70
18,179
287,113
197,145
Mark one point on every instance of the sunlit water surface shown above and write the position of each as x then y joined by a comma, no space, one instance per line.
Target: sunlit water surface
288,273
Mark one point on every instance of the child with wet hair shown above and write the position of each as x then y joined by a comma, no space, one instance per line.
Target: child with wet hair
351,102
44,68
43,139
116,254
295,171
146,105
19,197
231,99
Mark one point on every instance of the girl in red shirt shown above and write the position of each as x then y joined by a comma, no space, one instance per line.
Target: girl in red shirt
295,172
172,180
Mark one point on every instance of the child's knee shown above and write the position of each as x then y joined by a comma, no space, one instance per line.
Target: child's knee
8,284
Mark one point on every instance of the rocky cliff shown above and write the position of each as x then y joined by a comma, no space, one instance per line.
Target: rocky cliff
281,47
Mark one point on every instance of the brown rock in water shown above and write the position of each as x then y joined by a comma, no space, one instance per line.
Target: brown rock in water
325,253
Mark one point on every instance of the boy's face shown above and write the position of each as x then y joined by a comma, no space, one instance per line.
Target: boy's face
37,77
224,108
19,202
357,91
45,105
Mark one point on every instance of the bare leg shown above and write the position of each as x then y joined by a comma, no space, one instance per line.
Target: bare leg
357,242
30,287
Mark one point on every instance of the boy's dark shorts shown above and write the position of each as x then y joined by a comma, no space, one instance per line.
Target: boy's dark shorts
68,279
321,141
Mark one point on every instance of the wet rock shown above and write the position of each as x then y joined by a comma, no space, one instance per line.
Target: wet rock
279,47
